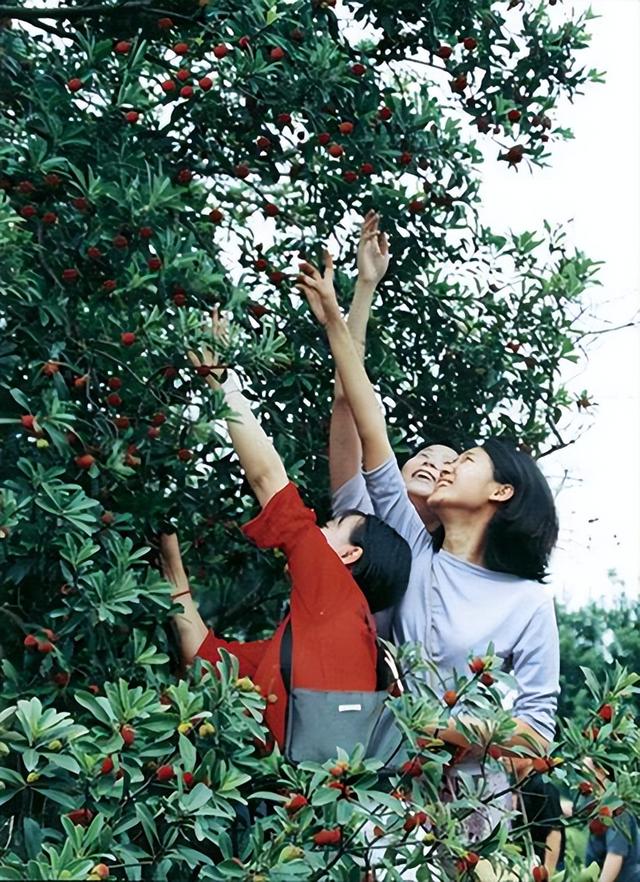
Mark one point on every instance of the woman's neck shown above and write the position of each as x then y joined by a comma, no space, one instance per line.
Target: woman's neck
466,539
428,517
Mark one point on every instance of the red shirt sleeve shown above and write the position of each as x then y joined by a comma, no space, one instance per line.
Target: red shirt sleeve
320,581
248,654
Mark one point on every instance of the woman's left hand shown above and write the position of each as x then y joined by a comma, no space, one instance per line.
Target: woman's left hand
319,290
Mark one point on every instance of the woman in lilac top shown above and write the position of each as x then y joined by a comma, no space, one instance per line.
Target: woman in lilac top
483,584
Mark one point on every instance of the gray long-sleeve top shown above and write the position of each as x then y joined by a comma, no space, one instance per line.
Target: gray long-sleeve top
455,608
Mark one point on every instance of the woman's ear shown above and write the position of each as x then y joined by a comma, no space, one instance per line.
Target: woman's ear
349,554
502,493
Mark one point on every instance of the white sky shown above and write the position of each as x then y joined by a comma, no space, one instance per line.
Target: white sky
594,180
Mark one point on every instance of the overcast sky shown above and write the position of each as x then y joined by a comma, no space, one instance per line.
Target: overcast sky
594,180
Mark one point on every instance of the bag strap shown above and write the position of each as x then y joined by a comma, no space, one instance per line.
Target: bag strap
286,656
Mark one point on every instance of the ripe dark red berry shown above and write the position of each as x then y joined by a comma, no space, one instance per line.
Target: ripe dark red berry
109,285
128,734
585,788
114,400
168,86
358,69
74,84
328,837
165,23
324,138
443,51
244,42
82,817
450,697
165,773
80,203
469,43
114,383
241,171
514,115
412,768
184,454
277,54
107,765
186,92
127,338
345,128
184,176
283,119
271,210
28,211
120,241
49,218
385,113
606,713
366,168
205,83
145,232
459,84
132,116
540,874
153,432
296,802
70,275
154,263
220,51
350,177
188,780
30,641
476,665
181,48
335,150
84,461
416,206
122,47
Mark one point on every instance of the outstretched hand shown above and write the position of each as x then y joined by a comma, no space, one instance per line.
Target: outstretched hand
208,355
319,290
373,250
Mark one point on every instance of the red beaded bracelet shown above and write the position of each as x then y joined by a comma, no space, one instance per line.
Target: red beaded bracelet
188,591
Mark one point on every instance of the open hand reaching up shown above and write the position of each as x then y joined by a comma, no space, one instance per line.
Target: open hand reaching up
319,290
373,250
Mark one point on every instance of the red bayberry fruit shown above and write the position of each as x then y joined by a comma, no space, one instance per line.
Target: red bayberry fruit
165,773
324,138
70,275
542,764
415,820
205,83
350,177
82,817
153,432
158,419
514,115
276,277
469,43
49,217
335,150
179,298
412,768
122,47
145,232
27,421
220,51
181,48
61,679
127,338
366,168
49,368
606,713
443,51
74,84
328,837
25,187
80,203
540,874
459,84
45,646
184,454
165,23
585,788
188,780
385,113
84,461
476,665
283,119
132,116
114,400
487,679
241,171
244,42
168,86
263,143
109,285
184,176
94,688
271,210
107,518
28,211
277,54
257,310
416,206
114,383
122,422
261,264
183,75
30,641
358,69
154,263
345,128
120,241
296,802
216,216
128,734
405,158
450,697
186,92
514,155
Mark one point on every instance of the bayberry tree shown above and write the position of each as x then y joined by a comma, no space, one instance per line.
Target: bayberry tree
159,160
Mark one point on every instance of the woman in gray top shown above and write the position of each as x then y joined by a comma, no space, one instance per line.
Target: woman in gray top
499,524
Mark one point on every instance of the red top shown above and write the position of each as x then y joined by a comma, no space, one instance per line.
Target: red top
334,636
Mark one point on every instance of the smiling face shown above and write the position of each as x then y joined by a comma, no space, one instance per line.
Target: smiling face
421,472
469,483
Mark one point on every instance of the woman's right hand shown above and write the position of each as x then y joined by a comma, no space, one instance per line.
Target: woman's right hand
219,330
373,250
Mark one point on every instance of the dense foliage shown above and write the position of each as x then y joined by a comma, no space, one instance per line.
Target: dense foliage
154,162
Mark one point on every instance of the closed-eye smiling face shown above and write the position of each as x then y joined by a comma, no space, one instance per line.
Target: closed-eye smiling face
421,472
469,483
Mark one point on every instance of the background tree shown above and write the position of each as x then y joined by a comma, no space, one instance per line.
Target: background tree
157,161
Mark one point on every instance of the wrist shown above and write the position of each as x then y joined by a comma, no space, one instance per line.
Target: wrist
365,285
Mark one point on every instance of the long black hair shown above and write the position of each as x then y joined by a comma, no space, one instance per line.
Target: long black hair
524,529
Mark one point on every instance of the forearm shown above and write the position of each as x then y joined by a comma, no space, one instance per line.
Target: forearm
359,394
611,867
258,457
345,449
191,628
552,851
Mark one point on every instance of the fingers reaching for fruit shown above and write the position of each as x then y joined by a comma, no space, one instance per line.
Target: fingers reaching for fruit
207,361
373,250
319,289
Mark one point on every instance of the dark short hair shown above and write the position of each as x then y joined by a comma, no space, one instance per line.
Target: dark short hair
382,571
524,529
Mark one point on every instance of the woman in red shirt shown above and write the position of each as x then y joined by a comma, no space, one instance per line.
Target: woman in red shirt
340,574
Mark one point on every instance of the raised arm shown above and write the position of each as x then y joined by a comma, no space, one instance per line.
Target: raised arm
258,457
345,449
358,390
